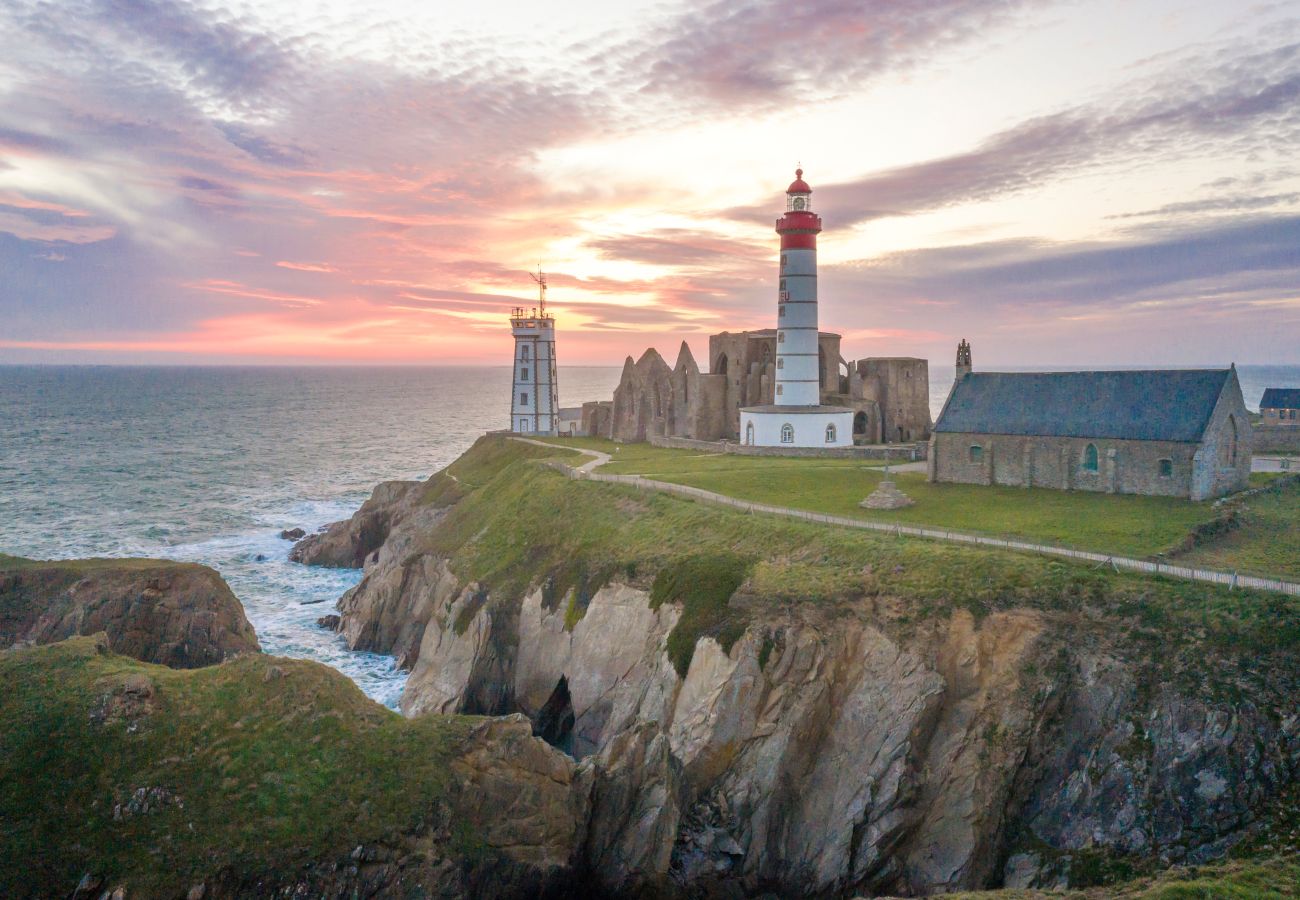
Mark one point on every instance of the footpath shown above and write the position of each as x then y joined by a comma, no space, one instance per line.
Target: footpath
587,471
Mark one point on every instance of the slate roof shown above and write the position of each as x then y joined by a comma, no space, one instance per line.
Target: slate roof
1280,398
1156,405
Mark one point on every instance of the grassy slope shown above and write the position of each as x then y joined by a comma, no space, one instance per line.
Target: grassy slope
1264,879
529,523
1124,525
1267,542
276,762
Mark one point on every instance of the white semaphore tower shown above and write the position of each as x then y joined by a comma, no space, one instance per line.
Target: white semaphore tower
535,402
796,418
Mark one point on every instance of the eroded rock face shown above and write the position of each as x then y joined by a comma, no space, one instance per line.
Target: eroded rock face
823,754
177,614
347,544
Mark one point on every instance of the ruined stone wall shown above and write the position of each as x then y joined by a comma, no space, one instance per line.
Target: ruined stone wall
597,416
901,385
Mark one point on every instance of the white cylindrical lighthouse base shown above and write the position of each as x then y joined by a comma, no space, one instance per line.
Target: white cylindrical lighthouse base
796,426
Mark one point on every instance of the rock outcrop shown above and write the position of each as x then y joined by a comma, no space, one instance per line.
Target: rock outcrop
268,777
347,544
822,755
181,615
864,741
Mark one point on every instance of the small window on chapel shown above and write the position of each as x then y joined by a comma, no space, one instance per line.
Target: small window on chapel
976,453
787,433
830,433
1166,468
1090,458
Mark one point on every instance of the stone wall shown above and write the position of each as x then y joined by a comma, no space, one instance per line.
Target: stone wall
906,452
901,387
1225,454
597,416
1276,439
653,400
1123,467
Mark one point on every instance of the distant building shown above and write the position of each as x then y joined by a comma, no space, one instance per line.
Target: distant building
1279,427
535,399
1172,433
1280,405
569,421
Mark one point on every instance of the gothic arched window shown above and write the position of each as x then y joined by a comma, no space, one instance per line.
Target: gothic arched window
787,433
749,433
830,433
1090,458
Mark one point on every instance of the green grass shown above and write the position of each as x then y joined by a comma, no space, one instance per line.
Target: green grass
1268,541
646,459
1263,879
530,525
703,585
263,764
1125,525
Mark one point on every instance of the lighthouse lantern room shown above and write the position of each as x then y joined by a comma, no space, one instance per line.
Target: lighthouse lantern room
535,401
796,418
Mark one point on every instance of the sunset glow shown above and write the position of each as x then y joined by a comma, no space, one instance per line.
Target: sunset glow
1060,182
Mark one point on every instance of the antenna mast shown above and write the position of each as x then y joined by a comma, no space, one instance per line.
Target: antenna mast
540,278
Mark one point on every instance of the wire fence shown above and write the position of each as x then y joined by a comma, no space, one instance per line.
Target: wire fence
1188,573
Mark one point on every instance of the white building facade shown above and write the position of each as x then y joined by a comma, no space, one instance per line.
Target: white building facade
796,418
535,404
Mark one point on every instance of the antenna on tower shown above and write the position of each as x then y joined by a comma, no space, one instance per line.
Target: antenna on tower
540,278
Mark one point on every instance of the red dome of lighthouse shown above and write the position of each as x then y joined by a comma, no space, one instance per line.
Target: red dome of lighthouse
798,186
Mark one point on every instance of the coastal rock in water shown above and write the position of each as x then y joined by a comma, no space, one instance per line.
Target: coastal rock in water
181,615
329,623
347,544
293,534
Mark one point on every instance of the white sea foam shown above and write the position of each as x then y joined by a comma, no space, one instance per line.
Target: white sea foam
208,465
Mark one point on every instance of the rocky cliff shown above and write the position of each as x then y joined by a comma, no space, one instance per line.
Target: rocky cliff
177,614
847,713
266,777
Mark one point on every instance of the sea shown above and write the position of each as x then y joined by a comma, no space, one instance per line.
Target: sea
210,464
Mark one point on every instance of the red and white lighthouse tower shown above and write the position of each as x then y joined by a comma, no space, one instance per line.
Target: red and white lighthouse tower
798,381
796,418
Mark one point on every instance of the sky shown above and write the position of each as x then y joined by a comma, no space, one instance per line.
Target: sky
1098,182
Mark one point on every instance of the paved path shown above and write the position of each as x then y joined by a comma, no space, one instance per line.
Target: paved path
1213,576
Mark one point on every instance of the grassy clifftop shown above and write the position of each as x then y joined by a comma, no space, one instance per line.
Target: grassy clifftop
119,768
518,523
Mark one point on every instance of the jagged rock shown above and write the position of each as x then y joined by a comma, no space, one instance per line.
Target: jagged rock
181,615
347,544
293,534
329,623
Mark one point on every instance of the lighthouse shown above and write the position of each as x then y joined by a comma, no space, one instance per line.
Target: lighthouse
796,418
535,402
